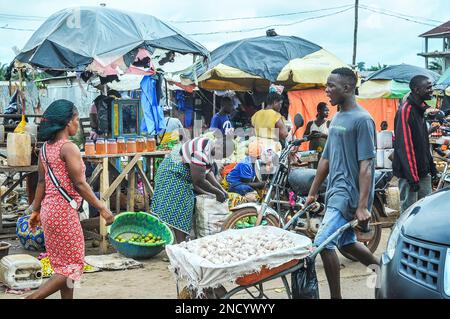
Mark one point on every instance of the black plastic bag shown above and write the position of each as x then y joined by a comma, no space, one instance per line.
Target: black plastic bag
304,281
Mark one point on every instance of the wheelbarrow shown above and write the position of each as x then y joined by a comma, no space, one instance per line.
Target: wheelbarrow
257,280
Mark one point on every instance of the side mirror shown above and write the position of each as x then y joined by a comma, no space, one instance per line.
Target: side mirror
298,120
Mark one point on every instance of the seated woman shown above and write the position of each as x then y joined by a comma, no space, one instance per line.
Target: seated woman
242,179
187,169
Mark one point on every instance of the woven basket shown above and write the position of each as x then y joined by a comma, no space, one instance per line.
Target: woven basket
139,224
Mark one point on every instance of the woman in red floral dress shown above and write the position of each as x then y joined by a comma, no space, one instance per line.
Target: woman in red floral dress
64,238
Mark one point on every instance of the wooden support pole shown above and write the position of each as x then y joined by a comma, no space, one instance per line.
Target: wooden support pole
95,174
120,178
147,184
131,189
104,183
118,197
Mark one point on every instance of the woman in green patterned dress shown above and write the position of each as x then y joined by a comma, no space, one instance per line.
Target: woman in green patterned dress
186,170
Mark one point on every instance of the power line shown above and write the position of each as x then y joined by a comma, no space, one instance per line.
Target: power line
397,16
4,16
402,14
271,26
262,17
16,29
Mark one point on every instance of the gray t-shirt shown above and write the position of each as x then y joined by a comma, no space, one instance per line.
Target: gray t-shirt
351,139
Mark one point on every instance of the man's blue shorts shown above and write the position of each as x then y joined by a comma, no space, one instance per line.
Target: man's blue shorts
332,221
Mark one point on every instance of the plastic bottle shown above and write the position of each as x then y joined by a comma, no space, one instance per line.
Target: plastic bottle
112,147
31,129
131,146
151,144
121,145
100,147
140,144
89,148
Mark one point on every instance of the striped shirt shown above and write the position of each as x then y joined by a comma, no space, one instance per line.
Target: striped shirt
197,152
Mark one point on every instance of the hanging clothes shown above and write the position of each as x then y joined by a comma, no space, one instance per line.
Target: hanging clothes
179,97
189,111
103,106
153,121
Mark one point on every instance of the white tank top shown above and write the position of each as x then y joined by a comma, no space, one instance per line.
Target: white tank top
322,129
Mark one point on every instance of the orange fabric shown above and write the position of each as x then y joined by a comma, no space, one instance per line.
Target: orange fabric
381,110
305,102
227,169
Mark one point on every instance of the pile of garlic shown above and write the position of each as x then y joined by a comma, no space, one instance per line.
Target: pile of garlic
228,249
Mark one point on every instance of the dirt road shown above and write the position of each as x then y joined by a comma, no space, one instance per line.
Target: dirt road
154,281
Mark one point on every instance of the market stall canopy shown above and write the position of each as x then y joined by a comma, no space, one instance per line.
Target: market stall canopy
392,82
444,80
254,63
75,38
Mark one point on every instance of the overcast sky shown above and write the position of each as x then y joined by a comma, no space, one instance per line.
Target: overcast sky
382,39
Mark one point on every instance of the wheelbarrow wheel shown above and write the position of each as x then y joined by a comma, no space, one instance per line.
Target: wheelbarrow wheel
238,216
216,293
375,238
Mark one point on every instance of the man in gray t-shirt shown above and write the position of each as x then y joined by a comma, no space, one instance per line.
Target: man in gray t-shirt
351,140
348,160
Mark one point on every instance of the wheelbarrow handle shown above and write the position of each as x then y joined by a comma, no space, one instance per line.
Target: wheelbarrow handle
336,234
293,221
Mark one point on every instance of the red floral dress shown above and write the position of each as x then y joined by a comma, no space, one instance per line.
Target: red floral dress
64,240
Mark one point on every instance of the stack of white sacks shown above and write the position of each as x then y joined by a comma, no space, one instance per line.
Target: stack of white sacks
385,148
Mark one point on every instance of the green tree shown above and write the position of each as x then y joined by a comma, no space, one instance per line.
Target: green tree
361,66
377,67
3,68
436,65
32,75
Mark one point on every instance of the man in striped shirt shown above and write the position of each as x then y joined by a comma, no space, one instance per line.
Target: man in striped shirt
413,163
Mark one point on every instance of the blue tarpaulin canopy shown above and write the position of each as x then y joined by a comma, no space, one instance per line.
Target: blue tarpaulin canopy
73,38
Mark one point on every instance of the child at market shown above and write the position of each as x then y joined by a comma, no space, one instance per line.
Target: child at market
242,179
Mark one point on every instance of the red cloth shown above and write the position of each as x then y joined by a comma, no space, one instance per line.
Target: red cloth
64,240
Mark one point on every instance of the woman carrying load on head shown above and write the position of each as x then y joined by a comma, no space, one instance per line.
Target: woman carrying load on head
61,188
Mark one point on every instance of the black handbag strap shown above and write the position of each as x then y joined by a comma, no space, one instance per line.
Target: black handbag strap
72,202
165,130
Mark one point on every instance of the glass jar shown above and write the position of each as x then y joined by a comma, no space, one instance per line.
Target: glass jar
131,146
121,145
140,144
112,146
100,147
151,144
89,148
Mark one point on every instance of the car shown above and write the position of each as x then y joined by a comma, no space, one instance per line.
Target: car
416,263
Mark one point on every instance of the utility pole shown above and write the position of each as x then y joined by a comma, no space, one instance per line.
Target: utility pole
355,34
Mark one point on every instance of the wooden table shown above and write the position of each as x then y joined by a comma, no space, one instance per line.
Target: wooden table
102,171
10,172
